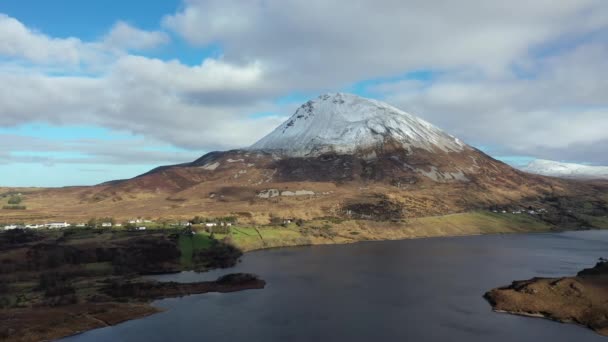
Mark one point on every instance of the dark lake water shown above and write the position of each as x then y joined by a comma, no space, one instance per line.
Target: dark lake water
410,290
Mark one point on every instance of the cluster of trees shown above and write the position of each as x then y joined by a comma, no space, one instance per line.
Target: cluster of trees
226,219
14,202
95,222
281,221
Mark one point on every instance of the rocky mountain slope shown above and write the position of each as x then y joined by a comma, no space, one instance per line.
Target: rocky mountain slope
338,156
566,170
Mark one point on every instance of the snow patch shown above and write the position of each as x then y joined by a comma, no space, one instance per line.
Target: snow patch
211,167
345,123
566,170
297,193
270,193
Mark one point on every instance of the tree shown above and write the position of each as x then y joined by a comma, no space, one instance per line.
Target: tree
15,199
92,222
197,220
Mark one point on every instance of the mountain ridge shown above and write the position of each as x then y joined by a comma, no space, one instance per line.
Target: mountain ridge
566,170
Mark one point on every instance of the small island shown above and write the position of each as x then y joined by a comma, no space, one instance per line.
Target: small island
582,299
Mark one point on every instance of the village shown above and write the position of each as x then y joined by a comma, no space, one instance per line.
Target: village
207,223
132,224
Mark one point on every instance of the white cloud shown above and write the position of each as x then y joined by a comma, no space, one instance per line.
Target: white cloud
205,106
332,43
16,40
562,106
126,37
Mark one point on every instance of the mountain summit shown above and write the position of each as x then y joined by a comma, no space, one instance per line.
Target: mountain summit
346,124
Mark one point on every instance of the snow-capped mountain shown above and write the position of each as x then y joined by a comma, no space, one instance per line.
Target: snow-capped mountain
566,170
338,156
346,123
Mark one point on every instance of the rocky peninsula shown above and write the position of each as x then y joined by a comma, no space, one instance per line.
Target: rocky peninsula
582,299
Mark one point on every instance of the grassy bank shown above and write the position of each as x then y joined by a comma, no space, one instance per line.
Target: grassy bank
333,231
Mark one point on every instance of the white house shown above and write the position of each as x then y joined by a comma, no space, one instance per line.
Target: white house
106,224
141,228
210,224
10,226
34,226
57,225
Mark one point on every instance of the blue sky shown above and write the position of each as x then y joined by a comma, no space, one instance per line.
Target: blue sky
94,90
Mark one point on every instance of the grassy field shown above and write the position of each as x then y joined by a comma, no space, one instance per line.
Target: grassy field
328,231
189,244
478,222
596,221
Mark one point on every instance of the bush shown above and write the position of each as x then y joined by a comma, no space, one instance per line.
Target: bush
14,207
15,199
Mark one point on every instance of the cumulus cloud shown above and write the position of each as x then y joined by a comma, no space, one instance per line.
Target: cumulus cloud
126,37
203,107
17,40
340,42
166,101
561,107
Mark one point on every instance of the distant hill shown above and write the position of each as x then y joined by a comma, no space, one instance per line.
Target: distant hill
566,170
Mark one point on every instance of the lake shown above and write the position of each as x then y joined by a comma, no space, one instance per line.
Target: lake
415,290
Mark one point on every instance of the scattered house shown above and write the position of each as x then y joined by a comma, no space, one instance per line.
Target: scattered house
106,224
141,228
34,226
185,224
118,225
136,221
225,224
288,220
10,226
57,225
210,224
81,225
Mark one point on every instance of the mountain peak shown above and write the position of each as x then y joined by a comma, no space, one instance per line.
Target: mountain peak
346,123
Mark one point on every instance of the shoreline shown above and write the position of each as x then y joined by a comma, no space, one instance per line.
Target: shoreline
130,300
565,300
414,238
140,306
